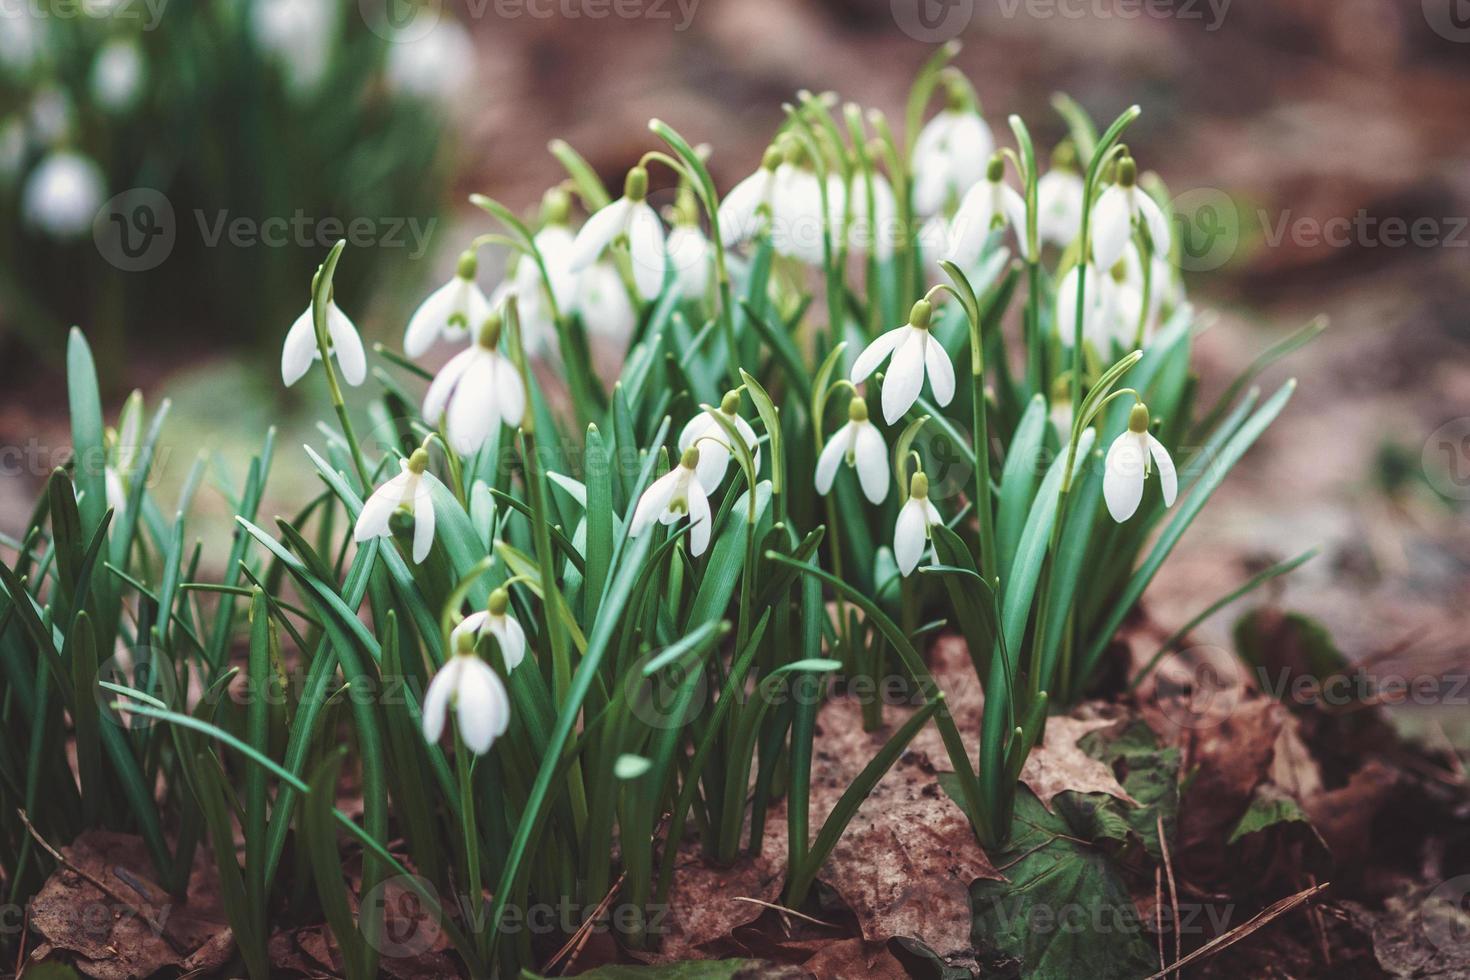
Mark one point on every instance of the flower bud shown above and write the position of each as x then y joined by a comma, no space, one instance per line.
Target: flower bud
465,645
730,404
920,315
556,206
690,459
995,169
1127,172
857,410
499,602
469,264
1138,418
418,462
635,187
489,337
919,486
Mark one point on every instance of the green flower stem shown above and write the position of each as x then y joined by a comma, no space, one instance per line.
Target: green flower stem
321,296
474,891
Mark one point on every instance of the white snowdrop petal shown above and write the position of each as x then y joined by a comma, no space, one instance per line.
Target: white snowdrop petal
472,414
512,640
714,460
423,520
436,699
1168,476
598,233
832,456
905,377
870,459
346,346
444,384
372,521
299,349
1112,226
699,516
752,441
909,535
482,706
971,225
1153,218
738,211
940,370
873,355
654,502
473,624
646,250
429,319
1123,476
510,393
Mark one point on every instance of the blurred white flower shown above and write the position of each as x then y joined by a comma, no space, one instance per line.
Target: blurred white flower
860,445
713,443
603,302
1099,317
21,40
949,157
797,224
1059,195
118,73
1115,213
52,115
478,696
343,342
740,210
476,391
300,36
911,531
495,620
915,354
450,312
863,235
672,497
437,66
690,253
1127,466
987,206
630,217
409,491
63,193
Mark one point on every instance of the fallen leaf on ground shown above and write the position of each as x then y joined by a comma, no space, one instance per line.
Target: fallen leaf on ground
1059,764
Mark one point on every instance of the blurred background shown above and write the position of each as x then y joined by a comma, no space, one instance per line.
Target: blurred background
171,172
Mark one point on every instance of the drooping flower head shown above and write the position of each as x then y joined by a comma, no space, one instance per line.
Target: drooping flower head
1128,464
450,310
409,491
690,252
747,207
915,354
672,497
706,434
798,222
476,693
633,219
987,206
1119,207
860,445
1059,197
495,619
911,532
476,391
950,151
343,343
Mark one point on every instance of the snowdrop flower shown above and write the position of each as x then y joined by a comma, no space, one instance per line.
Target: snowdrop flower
1099,317
603,302
477,694
860,445
704,433
52,116
911,533
495,620
449,311
343,342
299,35
1127,465
672,497
949,153
21,40
798,224
1060,414
690,252
1059,195
915,354
117,75
436,66
540,307
408,490
630,217
1117,210
741,210
476,391
988,205
63,193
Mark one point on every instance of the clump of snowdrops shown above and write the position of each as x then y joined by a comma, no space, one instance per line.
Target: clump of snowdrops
562,634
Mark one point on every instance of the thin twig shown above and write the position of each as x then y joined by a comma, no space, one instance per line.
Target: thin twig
1159,915
1173,893
786,911
1262,918
579,938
